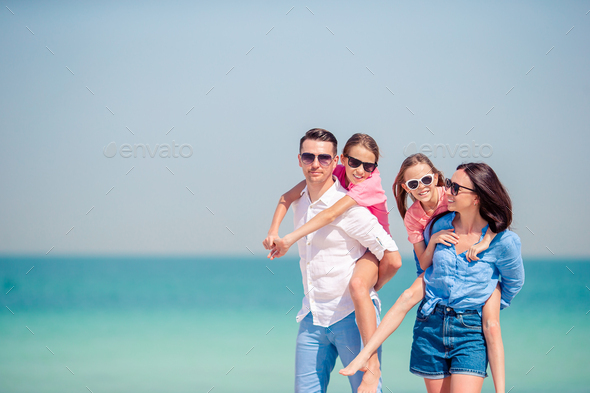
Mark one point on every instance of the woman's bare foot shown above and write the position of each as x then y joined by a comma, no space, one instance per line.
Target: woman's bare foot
370,381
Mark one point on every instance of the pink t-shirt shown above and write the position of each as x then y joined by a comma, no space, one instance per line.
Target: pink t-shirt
368,193
416,218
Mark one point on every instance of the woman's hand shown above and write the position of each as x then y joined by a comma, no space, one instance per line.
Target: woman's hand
446,237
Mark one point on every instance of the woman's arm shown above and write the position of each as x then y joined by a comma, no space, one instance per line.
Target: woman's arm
511,269
490,317
425,253
284,202
483,245
322,219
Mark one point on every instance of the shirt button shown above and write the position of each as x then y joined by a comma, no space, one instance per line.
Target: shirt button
308,243
448,309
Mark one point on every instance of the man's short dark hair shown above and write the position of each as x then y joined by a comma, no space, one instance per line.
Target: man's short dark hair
319,134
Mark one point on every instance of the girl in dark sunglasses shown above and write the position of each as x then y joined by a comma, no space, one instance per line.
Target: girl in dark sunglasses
359,175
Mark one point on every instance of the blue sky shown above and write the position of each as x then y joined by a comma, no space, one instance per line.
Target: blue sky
241,82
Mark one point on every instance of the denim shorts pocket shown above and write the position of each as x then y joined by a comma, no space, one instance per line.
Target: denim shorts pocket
420,317
470,321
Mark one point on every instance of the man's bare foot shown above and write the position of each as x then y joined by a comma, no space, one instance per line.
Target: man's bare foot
370,381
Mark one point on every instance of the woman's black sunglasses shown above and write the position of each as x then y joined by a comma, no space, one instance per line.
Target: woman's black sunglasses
323,159
368,166
454,187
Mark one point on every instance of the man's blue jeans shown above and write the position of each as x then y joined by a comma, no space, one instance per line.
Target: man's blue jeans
317,350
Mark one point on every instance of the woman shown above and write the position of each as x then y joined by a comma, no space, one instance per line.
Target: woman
449,349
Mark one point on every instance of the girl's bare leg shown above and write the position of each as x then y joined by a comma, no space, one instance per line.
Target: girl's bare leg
363,279
391,321
491,329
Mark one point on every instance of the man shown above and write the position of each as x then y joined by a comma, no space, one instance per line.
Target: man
327,320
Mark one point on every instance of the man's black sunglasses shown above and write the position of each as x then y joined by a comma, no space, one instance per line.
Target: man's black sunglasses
455,187
323,159
368,166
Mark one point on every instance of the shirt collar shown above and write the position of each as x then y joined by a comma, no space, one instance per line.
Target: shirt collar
452,215
330,193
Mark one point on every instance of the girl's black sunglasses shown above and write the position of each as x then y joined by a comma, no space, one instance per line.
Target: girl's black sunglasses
368,166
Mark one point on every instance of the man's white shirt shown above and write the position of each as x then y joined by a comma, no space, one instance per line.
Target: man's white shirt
328,256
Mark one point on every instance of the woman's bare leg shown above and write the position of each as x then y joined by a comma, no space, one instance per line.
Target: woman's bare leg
462,383
438,385
491,329
390,322
363,279
456,383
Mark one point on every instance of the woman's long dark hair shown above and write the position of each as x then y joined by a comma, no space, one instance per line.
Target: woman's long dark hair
495,205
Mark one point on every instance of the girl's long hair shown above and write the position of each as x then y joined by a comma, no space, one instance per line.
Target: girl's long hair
495,205
401,195
363,140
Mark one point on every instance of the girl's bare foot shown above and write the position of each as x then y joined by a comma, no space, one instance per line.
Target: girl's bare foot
370,381
357,364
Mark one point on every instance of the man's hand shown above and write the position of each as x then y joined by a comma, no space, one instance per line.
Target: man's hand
279,248
388,266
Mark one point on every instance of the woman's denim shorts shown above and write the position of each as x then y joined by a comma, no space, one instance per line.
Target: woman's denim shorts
447,342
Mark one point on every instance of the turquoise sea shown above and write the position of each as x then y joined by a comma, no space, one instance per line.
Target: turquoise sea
227,324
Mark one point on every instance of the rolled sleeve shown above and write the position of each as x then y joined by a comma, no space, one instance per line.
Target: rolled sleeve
511,269
364,227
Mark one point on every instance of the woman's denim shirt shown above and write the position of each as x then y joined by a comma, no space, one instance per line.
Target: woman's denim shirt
455,282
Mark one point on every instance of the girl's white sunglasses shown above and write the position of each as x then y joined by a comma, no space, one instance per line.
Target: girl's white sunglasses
412,184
